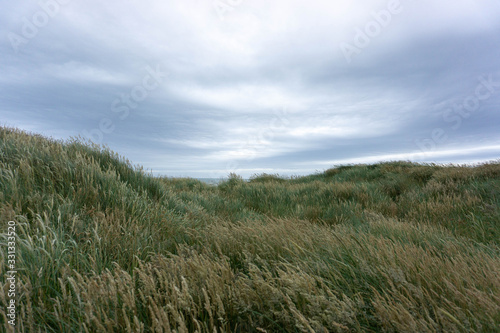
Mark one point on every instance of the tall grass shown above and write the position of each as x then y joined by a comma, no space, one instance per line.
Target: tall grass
105,247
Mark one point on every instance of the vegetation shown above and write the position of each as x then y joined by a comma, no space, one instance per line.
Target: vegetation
103,246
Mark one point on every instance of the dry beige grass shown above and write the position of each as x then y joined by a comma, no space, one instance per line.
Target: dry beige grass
103,247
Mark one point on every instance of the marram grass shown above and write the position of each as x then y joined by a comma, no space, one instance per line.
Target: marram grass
104,247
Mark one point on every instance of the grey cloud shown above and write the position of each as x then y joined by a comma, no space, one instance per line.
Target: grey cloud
227,81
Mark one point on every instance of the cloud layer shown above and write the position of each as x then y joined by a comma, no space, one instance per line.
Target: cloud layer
201,88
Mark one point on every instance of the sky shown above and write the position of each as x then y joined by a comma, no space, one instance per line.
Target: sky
203,88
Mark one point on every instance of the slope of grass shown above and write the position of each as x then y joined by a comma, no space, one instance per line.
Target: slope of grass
104,247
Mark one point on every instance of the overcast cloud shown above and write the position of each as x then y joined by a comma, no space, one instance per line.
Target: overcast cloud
203,88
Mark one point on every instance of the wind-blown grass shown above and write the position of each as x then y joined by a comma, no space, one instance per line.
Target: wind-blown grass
105,247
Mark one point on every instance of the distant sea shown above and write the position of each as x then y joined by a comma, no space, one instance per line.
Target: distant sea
211,181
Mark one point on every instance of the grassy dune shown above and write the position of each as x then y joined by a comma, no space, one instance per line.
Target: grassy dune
104,247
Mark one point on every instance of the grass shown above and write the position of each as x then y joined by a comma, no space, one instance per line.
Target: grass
103,246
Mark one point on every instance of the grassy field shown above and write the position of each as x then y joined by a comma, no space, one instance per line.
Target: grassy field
104,247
